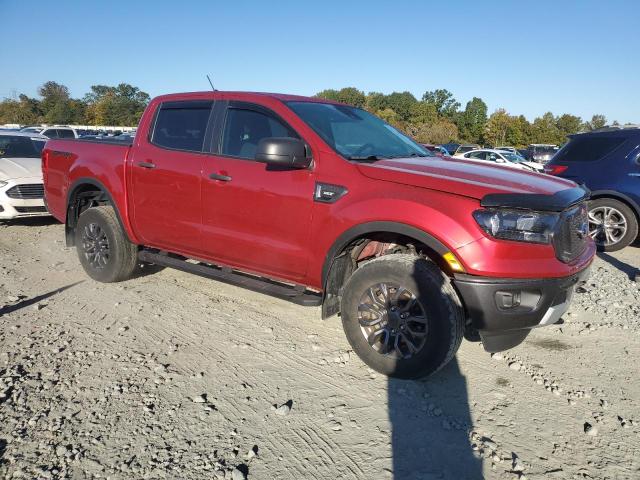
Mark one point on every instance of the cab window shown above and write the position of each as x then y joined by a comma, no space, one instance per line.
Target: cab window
244,128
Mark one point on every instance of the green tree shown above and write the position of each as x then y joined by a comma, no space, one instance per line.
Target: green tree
545,130
422,112
446,105
497,127
401,103
376,101
119,105
568,124
441,130
348,95
597,121
472,121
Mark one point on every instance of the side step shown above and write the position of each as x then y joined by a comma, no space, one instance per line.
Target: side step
293,293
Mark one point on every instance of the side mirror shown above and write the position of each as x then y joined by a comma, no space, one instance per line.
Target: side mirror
283,152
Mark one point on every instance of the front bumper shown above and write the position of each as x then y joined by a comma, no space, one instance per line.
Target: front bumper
21,207
505,310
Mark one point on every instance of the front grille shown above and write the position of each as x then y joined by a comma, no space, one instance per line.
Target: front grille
26,191
571,235
31,209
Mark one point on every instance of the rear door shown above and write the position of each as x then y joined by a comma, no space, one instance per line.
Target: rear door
254,217
166,177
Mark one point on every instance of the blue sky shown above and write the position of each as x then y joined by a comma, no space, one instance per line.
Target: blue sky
529,57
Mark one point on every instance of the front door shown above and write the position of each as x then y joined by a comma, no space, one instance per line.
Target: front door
166,177
255,217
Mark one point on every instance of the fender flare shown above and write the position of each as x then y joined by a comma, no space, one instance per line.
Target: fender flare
618,196
376,227
96,183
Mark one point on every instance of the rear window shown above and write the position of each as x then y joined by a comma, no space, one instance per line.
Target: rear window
588,149
17,147
182,126
65,133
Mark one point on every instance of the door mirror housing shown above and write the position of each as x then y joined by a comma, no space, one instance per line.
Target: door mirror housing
283,152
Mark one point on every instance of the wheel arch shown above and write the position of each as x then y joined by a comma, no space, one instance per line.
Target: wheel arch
338,266
621,197
84,193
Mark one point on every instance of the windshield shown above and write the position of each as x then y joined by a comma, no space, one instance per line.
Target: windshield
17,147
545,149
355,133
512,157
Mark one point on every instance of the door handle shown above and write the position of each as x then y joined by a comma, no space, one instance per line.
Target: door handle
634,174
217,176
147,164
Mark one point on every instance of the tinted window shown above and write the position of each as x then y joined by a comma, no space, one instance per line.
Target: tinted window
245,128
587,149
17,147
51,133
64,133
182,126
39,145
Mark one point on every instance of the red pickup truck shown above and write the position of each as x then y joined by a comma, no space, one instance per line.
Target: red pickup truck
324,204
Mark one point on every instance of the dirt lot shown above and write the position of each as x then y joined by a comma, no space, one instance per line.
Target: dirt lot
174,376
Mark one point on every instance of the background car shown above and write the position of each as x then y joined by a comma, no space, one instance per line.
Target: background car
465,148
56,131
508,149
21,185
607,161
541,152
436,149
507,159
450,147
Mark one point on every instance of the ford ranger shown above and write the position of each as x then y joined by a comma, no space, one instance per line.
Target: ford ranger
325,204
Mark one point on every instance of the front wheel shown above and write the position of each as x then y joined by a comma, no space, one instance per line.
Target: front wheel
402,316
105,252
612,224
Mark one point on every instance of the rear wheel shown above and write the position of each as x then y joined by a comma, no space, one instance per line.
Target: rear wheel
402,316
612,224
105,252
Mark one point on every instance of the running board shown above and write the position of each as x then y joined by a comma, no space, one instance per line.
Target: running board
294,293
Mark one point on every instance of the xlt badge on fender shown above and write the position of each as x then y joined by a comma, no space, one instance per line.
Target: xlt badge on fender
327,193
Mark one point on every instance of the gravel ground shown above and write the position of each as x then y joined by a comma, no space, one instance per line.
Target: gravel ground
174,376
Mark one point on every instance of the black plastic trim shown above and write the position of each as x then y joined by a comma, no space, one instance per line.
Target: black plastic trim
72,192
293,293
557,202
479,299
379,227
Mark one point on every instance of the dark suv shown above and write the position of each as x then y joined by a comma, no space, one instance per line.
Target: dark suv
608,162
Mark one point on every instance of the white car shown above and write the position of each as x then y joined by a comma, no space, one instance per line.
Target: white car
55,131
21,185
502,157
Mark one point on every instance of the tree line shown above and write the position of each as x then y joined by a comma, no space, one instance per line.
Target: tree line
104,105
438,118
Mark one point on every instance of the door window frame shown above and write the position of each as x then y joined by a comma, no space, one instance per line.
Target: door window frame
221,124
177,104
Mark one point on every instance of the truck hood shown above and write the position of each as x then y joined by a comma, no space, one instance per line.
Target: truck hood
11,168
462,177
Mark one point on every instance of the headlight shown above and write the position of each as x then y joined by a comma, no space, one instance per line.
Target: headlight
517,225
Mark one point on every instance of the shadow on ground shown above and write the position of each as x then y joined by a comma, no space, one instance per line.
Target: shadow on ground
430,421
29,222
3,448
7,309
624,267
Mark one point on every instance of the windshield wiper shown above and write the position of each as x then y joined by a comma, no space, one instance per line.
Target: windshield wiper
367,158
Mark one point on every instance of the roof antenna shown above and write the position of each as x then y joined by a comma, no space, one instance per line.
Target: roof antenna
211,83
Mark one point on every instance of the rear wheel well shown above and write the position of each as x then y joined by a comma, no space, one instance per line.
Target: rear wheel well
82,197
363,249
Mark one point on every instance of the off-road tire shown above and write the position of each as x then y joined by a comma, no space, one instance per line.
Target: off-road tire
122,260
438,299
630,217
